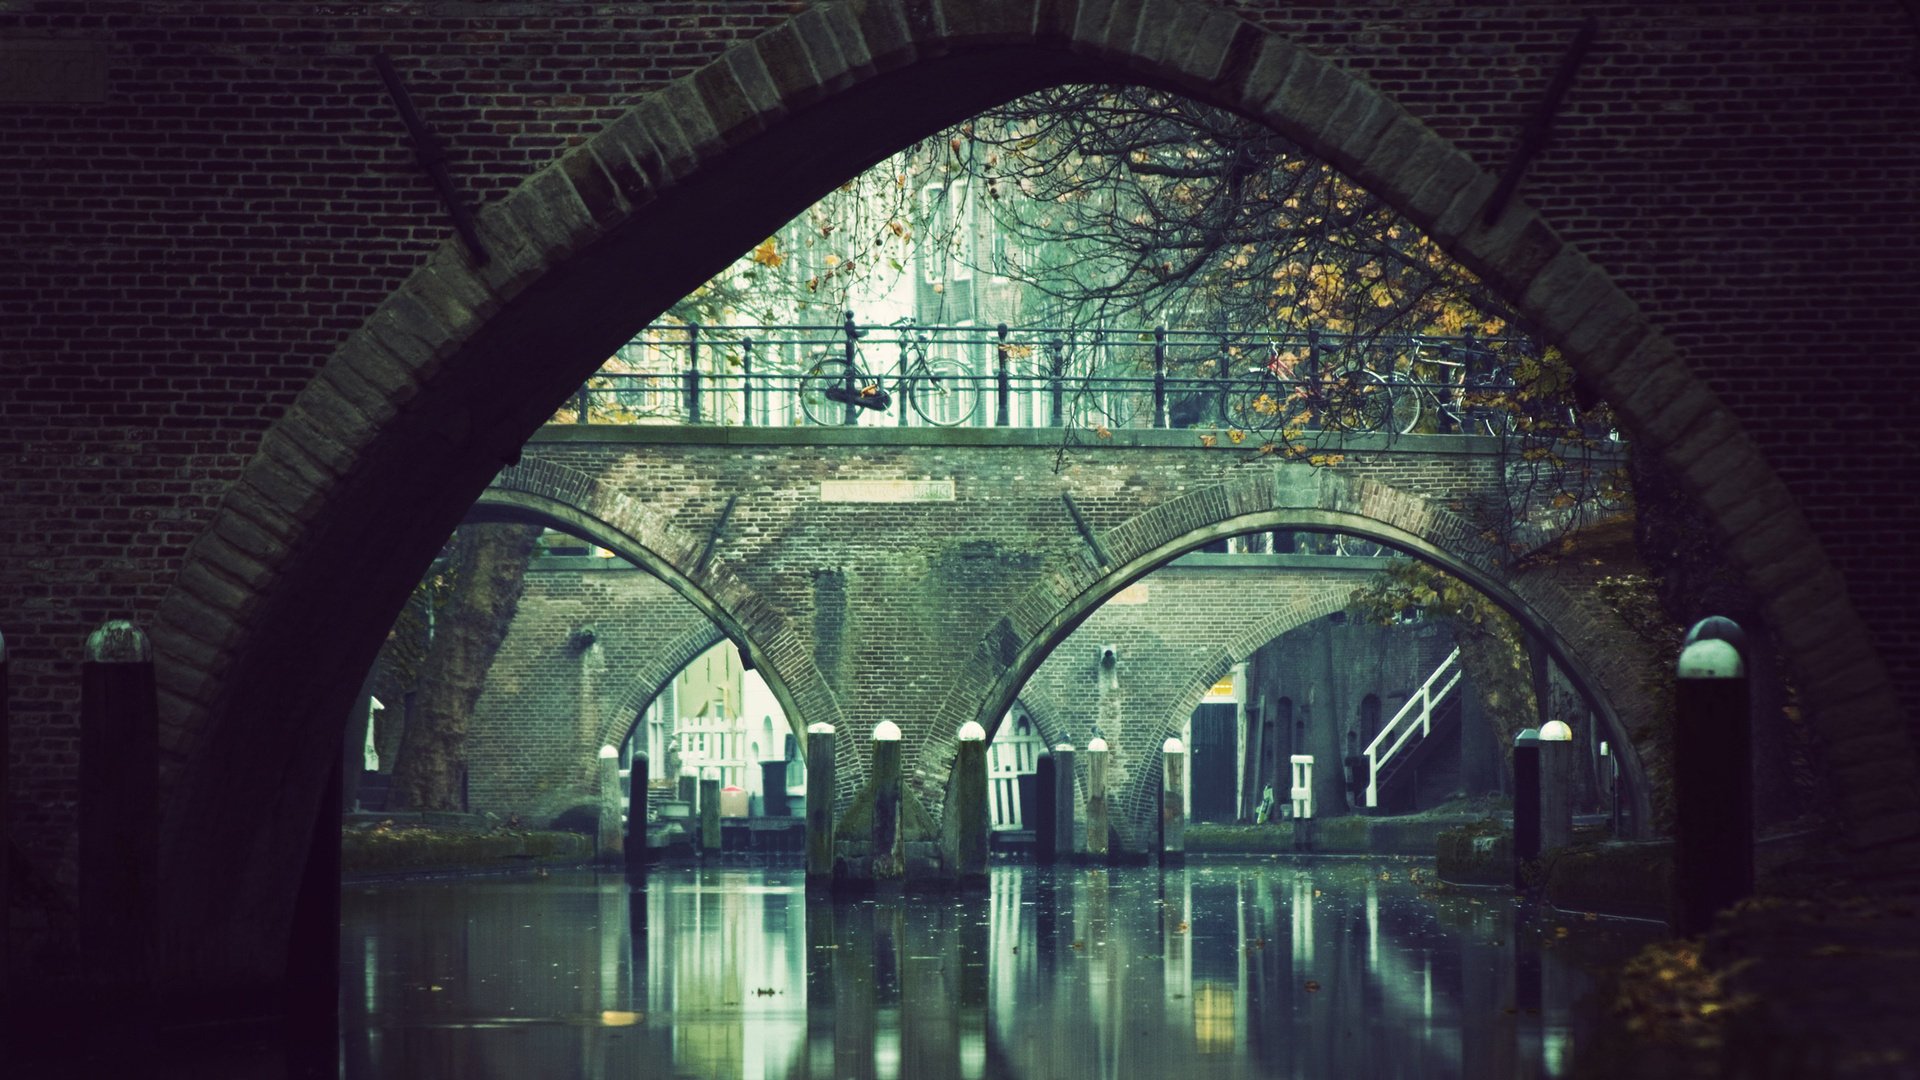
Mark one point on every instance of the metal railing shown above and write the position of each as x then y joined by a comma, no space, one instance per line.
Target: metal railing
1112,377
1413,718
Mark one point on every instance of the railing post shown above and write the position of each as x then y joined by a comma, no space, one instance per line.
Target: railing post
1159,376
1224,378
693,373
852,350
1003,394
581,399
900,373
746,381
1311,380
1055,388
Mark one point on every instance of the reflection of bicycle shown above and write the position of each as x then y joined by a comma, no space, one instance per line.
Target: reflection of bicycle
1293,393
836,390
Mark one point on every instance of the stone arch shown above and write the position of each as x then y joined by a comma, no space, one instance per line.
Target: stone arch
403,426
554,495
1298,497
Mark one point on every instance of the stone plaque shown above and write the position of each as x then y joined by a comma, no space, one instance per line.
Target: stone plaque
45,69
1135,593
886,491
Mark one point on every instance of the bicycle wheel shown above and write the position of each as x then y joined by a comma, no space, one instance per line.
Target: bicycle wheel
824,375
1375,403
1261,401
941,392
1356,547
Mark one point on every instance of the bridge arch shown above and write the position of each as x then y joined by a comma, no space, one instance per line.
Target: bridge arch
407,422
550,494
1298,497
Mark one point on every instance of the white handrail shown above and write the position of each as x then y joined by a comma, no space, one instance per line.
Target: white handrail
1423,702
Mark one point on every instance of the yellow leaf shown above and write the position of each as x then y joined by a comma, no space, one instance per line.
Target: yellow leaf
768,253
1208,440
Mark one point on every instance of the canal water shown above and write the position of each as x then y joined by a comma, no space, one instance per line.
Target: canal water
1319,968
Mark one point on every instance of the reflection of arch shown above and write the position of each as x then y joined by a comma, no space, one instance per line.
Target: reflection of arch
405,423
1299,497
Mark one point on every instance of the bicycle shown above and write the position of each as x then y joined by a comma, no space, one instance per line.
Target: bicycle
835,390
1279,395
1475,392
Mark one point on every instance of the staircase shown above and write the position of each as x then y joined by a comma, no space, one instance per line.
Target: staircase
1411,726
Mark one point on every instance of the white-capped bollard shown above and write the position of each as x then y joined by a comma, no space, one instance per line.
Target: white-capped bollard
1097,799
1173,801
969,827
1556,794
608,842
1712,776
889,840
819,805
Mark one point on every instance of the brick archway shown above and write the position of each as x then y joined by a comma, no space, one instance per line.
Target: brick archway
562,498
1299,497
378,457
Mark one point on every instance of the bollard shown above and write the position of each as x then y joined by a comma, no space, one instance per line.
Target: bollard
1173,801
6,833
1556,785
1063,815
638,786
1613,788
1041,812
1301,792
1097,799
1526,806
820,804
1712,776
119,805
609,845
709,814
969,814
889,841
773,788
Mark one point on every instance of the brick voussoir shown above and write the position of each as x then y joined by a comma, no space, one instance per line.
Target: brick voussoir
871,39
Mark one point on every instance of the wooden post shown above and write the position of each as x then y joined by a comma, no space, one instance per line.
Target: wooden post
820,805
969,811
1526,806
638,781
1556,788
119,807
709,814
889,840
1063,804
1173,801
608,843
1097,799
1712,776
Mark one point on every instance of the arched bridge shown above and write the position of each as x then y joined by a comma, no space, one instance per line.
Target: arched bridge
921,575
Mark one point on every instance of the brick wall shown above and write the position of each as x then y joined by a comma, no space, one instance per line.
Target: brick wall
191,246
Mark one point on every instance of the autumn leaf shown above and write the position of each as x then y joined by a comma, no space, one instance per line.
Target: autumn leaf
1208,440
768,253
1100,431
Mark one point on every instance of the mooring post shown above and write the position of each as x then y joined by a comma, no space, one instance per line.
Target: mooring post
1712,776
819,805
1611,770
969,854
1063,804
1526,807
1556,785
1041,813
638,781
1173,801
709,812
1302,795
889,840
1097,799
6,883
609,846
119,807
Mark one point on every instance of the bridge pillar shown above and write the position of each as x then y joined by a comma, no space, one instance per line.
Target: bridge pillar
819,805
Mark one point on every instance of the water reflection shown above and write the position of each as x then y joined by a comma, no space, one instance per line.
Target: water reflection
1211,970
